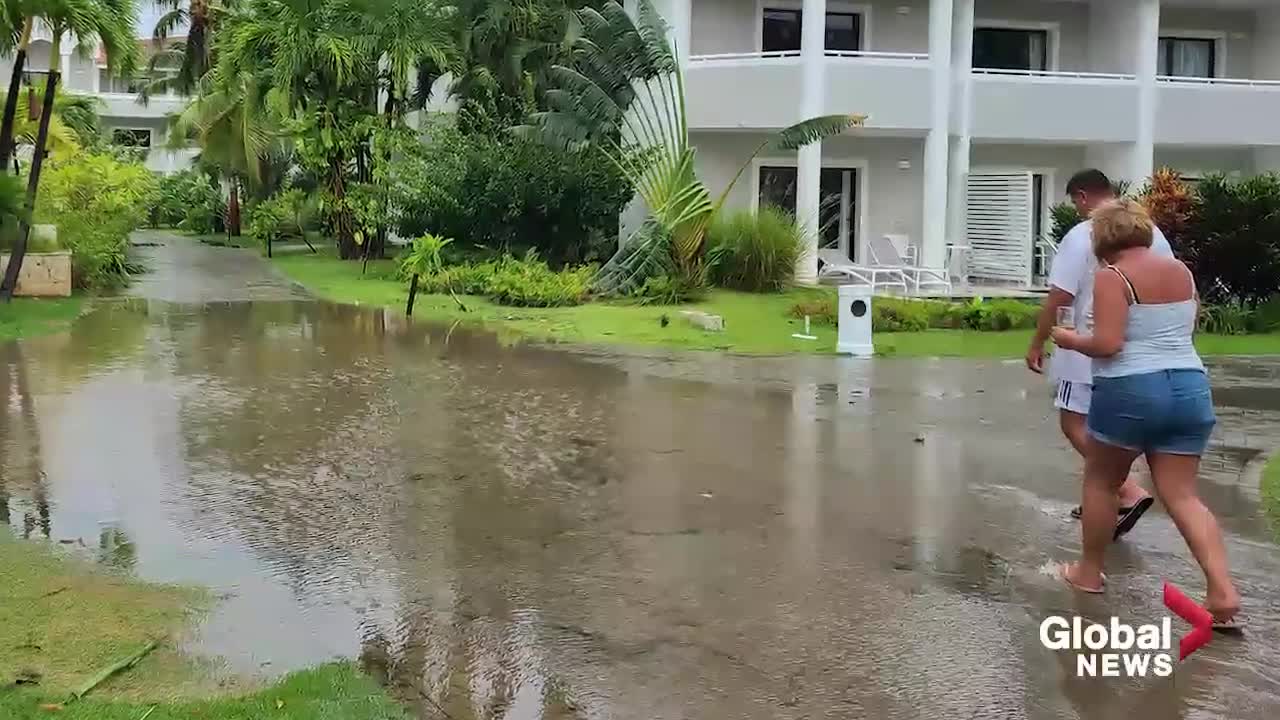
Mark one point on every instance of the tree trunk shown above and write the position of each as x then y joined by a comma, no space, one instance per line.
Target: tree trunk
343,225
233,210
10,283
11,100
413,293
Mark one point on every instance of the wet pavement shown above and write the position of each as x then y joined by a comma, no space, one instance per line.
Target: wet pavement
539,532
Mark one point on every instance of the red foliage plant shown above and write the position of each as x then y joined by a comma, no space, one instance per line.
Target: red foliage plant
1172,203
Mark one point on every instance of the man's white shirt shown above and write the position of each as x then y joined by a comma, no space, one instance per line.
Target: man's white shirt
1073,268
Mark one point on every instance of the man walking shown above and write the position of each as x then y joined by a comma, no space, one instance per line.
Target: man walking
1071,285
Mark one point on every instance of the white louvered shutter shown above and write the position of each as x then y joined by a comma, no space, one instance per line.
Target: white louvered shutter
998,226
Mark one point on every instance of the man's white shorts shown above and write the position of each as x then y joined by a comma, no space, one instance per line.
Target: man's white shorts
1073,397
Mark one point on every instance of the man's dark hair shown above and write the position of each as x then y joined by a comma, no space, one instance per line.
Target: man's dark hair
1091,182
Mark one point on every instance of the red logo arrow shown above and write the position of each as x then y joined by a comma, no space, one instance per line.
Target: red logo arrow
1200,619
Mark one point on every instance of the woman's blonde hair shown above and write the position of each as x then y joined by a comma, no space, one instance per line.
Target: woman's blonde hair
1119,225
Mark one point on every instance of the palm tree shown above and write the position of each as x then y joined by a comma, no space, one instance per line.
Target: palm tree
236,121
109,22
623,93
179,65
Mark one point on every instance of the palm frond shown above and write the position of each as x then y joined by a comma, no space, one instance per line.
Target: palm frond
815,129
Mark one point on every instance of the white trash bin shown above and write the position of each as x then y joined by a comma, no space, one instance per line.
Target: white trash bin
855,321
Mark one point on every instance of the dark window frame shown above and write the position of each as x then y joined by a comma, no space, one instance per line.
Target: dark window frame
859,28
1046,53
1166,45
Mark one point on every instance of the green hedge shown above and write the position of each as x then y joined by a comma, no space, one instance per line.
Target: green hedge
901,315
522,282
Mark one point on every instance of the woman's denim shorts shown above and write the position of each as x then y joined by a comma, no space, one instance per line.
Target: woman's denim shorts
1167,411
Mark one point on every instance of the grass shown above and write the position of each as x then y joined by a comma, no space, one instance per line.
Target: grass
28,317
63,620
330,692
757,324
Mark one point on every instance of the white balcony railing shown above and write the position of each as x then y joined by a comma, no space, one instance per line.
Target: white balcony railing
874,55
1055,74
741,57
1217,82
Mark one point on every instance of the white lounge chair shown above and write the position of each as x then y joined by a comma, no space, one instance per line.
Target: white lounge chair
835,264
885,254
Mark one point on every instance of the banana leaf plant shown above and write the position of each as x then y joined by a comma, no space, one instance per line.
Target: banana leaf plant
623,93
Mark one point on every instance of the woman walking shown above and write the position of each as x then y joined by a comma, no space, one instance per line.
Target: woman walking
1150,397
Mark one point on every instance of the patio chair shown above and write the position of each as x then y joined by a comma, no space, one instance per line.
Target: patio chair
884,253
835,264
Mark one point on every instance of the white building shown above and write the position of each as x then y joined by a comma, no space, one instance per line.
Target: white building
122,116
991,104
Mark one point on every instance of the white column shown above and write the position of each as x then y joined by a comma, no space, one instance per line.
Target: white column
65,67
962,121
681,19
936,149
1147,45
809,157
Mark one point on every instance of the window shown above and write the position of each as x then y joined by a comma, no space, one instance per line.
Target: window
1010,49
837,191
131,137
110,83
1188,57
780,30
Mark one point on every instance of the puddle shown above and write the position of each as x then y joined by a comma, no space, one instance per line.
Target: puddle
525,532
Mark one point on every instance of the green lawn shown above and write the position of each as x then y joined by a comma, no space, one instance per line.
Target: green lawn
26,317
64,620
754,324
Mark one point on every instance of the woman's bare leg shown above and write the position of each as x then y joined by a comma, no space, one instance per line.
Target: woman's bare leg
1175,480
1105,469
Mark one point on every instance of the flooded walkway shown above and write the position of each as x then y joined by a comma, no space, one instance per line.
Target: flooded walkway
534,532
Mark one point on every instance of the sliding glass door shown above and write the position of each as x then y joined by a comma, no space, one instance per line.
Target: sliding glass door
837,208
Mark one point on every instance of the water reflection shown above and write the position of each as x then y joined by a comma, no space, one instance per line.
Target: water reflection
517,532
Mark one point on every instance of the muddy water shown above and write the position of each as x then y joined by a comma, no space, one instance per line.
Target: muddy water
527,532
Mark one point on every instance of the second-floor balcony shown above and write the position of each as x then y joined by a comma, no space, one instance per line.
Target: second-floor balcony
762,89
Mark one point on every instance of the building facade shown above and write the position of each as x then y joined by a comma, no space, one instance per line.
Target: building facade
122,116
978,110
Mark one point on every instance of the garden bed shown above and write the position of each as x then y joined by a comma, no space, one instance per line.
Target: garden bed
754,323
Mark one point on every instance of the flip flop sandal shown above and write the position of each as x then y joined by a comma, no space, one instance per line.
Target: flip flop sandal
1228,627
1062,575
1077,511
1131,518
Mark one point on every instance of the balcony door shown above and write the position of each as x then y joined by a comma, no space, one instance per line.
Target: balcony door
780,29
837,207
1188,57
1001,48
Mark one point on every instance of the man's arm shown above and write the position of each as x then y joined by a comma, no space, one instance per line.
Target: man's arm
1048,318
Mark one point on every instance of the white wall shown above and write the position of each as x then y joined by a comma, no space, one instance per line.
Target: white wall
1071,20
1202,161
1112,27
1063,160
1266,45
723,26
1239,28
894,196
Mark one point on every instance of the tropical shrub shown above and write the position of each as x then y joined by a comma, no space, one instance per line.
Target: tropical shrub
188,200
96,201
906,315
1233,241
756,252
287,214
668,290
622,93
531,283
511,195
1226,319
1172,204
524,282
1063,217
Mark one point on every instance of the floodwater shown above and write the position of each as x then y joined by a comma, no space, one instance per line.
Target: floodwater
538,532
